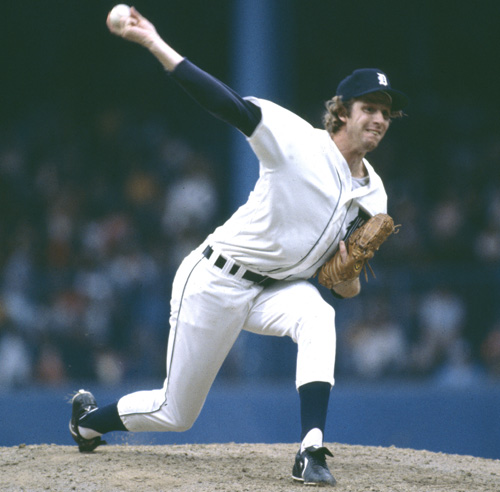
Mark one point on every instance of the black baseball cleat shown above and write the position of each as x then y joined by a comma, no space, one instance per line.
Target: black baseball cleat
311,468
83,403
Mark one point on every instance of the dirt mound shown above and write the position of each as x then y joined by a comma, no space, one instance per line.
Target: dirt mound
237,467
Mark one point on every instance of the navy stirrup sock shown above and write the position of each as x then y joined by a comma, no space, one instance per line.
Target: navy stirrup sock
102,420
313,406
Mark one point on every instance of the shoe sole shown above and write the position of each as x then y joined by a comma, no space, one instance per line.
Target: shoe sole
312,484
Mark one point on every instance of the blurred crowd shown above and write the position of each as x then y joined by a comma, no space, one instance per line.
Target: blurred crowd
94,223
95,218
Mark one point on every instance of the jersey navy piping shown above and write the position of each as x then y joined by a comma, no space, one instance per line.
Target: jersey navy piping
178,316
320,260
320,236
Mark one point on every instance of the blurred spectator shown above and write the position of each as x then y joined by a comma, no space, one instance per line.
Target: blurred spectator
487,243
408,243
376,344
50,367
109,367
15,359
490,351
191,204
459,370
441,318
448,227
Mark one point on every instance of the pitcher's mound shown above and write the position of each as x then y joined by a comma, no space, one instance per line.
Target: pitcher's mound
237,467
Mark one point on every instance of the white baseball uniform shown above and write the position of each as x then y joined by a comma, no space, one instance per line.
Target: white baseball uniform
303,204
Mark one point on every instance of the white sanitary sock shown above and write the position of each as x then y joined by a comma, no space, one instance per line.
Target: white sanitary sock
87,433
313,438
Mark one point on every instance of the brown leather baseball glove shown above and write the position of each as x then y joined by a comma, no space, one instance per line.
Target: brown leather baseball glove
361,247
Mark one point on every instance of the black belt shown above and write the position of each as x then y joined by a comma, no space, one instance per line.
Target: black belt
220,262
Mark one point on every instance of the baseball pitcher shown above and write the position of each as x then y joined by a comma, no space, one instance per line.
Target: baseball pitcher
318,208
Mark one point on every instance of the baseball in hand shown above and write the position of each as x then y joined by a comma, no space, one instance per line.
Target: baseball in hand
118,16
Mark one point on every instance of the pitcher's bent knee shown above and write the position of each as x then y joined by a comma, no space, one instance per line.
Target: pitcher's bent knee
149,411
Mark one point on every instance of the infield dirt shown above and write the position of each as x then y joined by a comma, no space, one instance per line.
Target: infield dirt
237,467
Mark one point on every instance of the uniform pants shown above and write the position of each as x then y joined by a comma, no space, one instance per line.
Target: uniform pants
209,308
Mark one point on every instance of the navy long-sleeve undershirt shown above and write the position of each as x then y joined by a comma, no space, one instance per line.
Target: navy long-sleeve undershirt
217,98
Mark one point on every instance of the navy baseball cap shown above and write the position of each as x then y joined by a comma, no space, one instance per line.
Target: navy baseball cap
366,80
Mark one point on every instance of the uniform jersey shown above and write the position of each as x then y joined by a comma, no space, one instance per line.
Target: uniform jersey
303,202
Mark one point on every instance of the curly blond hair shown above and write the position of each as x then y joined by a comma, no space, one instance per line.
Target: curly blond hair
335,108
